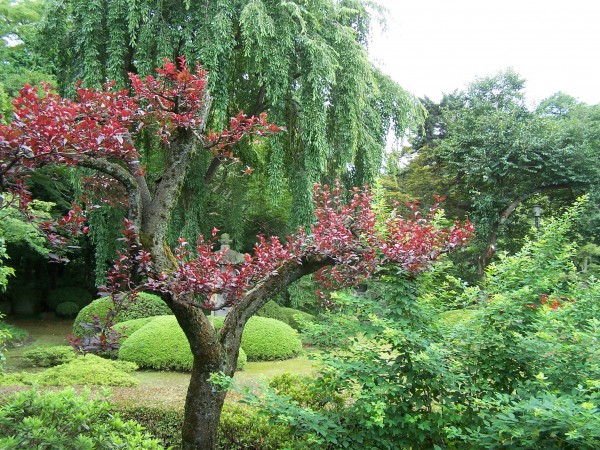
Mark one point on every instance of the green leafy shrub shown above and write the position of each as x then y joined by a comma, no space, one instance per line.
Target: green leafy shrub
67,420
146,305
541,421
161,344
296,318
49,356
67,309
16,336
244,428
129,327
165,423
288,316
267,339
241,427
303,295
81,297
88,370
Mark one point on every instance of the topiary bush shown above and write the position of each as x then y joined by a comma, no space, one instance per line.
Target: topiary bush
81,297
67,309
266,339
129,327
67,420
161,344
146,305
273,311
49,356
88,370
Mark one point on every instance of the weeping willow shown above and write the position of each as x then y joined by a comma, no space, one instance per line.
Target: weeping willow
304,62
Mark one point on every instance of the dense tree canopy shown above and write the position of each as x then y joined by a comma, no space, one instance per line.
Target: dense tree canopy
303,62
488,152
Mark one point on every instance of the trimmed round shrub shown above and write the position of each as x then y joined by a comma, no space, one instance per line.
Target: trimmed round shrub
267,339
81,297
67,420
129,327
146,305
49,356
161,344
67,309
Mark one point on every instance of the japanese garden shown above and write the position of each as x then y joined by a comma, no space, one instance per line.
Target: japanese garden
224,227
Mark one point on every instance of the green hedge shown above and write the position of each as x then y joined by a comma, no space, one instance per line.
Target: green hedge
146,305
161,344
69,421
81,297
241,428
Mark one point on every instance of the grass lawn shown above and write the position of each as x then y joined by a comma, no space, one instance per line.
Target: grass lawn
166,389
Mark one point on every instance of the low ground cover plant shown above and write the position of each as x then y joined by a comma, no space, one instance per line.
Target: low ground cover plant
89,370
49,356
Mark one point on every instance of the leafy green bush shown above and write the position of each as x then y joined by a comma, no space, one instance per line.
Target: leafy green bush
16,336
165,423
146,305
67,309
161,344
129,327
286,315
67,420
303,295
84,370
244,428
81,297
267,339
49,356
296,318
541,421
241,427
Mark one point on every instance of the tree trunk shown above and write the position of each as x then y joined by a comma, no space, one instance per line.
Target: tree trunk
490,250
203,407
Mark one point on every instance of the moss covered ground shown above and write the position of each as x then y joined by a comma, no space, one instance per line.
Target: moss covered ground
155,388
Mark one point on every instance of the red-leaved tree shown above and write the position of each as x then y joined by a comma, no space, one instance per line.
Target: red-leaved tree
97,130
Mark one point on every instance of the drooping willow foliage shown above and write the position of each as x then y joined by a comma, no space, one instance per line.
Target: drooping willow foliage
304,62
